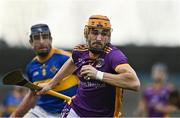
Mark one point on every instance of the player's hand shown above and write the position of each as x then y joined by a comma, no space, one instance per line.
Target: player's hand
81,47
88,71
45,87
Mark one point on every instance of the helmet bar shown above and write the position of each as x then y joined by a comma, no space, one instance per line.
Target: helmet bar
40,28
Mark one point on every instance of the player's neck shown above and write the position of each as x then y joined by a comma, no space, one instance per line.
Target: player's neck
93,55
47,56
157,85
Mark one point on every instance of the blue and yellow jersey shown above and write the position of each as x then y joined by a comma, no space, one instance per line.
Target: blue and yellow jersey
43,70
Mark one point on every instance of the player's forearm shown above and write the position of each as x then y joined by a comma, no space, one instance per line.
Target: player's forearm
67,69
124,80
166,108
27,103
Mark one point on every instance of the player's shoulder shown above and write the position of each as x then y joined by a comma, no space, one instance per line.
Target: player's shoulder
30,64
33,60
62,52
148,87
79,51
112,49
80,48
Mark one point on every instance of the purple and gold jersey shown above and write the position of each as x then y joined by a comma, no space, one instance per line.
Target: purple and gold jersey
95,98
154,97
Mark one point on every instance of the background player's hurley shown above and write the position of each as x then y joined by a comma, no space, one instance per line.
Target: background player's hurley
16,77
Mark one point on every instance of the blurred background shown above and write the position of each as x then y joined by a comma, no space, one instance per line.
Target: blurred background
147,31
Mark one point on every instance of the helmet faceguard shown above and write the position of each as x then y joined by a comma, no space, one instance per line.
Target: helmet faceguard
40,28
43,30
97,22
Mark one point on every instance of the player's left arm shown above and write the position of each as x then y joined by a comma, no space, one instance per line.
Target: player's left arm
126,78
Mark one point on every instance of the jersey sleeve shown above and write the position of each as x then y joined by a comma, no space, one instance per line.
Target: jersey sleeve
78,51
75,56
116,58
28,73
62,60
5,100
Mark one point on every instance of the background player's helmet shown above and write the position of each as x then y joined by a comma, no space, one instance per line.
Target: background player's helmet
40,28
159,72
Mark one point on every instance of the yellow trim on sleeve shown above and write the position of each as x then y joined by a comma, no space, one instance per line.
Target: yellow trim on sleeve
53,51
121,65
11,109
63,52
64,84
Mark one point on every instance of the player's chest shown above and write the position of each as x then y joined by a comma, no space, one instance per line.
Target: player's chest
46,70
158,95
100,63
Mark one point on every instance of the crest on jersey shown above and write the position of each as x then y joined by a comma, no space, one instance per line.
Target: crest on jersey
53,69
80,60
35,73
99,62
43,67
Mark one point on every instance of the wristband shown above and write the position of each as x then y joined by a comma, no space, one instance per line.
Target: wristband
99,75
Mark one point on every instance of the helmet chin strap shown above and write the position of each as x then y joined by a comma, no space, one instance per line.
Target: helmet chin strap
95,50
43,53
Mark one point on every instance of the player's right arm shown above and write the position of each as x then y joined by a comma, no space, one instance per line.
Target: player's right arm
28,102
173,104
166,108
67,69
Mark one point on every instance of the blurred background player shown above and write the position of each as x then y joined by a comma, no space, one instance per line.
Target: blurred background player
103,71
40,70
155,101
12,100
